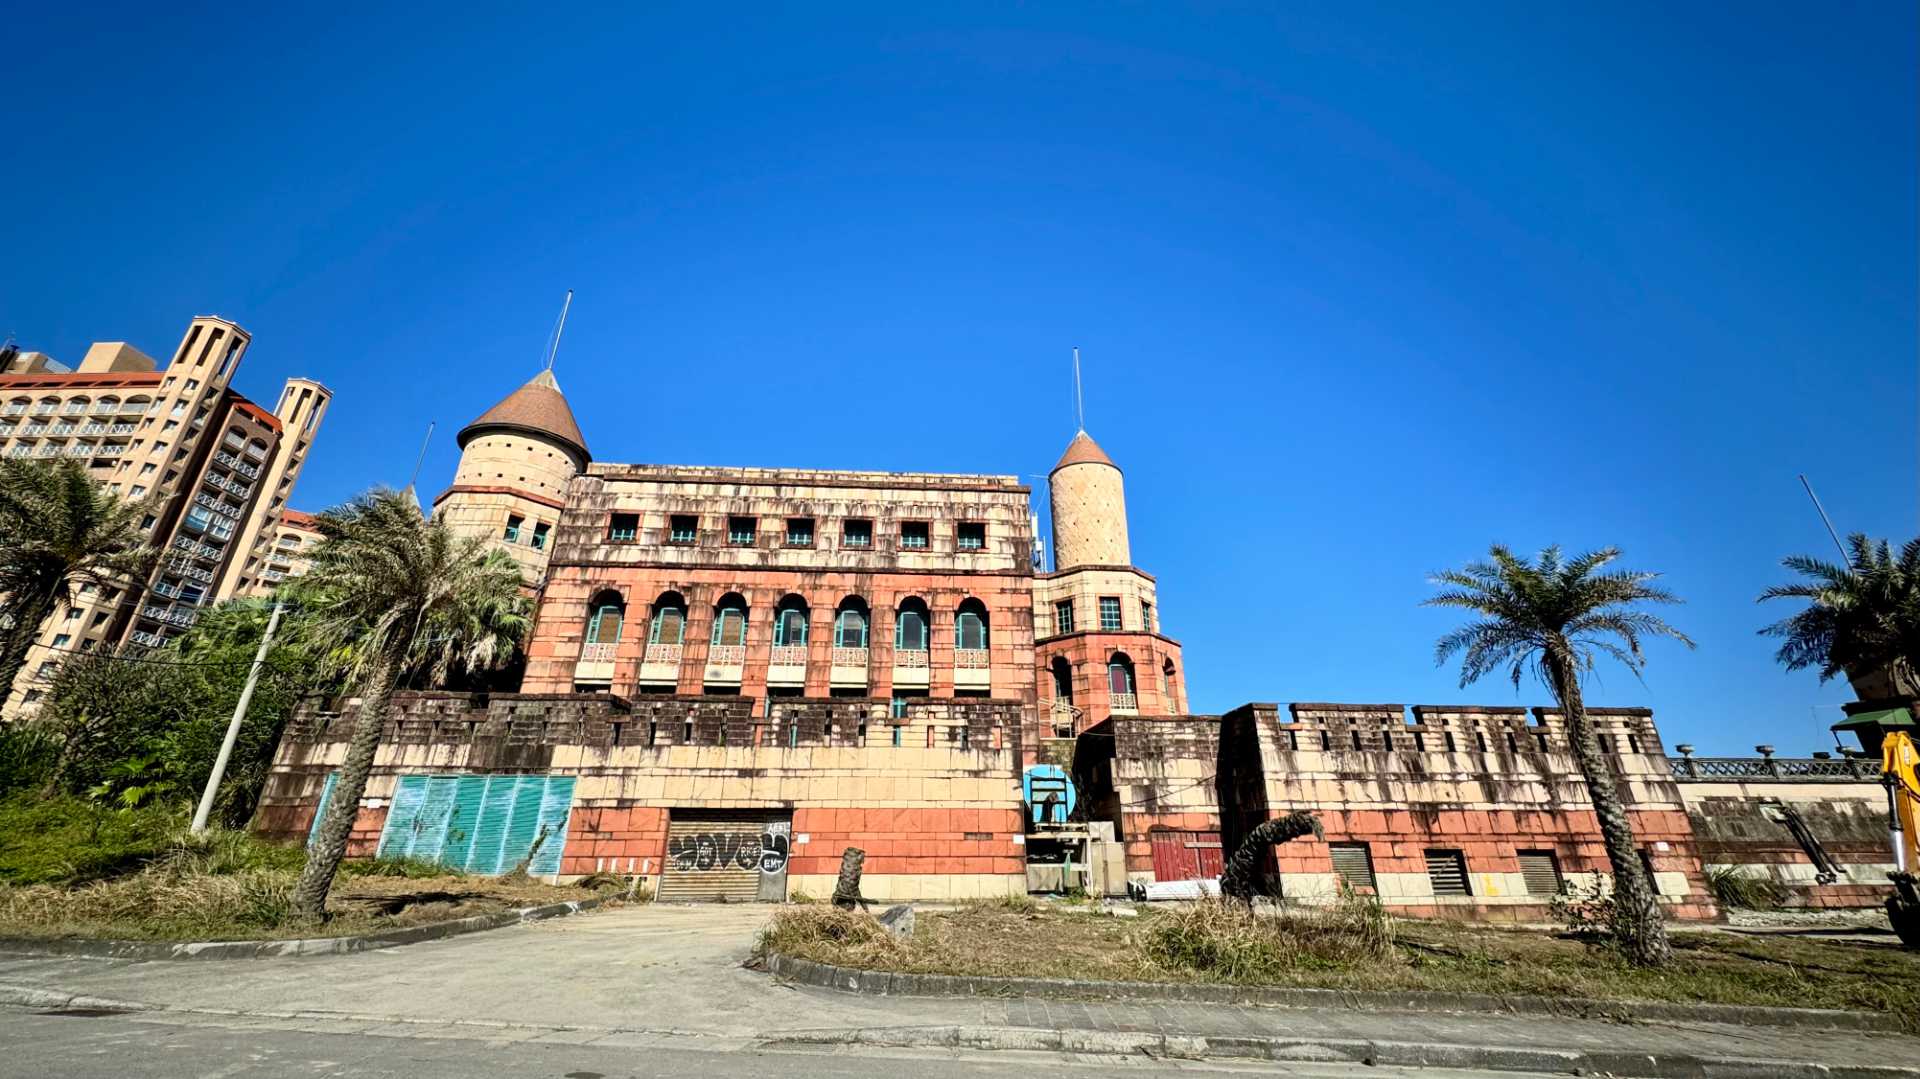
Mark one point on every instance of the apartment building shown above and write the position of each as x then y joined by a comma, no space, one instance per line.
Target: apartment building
213,468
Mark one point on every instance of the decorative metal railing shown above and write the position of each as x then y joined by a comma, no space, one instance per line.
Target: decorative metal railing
971,659
1792,769
1123,702
663,653
850,657
597,653
910,657
788,655
727,655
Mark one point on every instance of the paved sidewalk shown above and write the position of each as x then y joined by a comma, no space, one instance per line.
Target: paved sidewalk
664,971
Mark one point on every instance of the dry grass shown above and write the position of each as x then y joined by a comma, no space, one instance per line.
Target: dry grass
1361,950
225,888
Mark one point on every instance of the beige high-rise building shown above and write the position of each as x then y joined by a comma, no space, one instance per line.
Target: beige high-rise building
213,468
515,463
288,553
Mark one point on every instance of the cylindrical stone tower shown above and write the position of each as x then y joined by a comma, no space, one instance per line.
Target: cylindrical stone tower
1089,502
515,461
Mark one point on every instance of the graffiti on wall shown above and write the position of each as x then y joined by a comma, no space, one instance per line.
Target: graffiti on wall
706,851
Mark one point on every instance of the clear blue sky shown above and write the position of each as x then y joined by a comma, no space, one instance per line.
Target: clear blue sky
1360,289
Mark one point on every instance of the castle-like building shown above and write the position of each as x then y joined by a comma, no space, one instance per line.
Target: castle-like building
737,673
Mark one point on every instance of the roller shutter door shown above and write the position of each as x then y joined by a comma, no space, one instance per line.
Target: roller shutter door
1541,871
725,856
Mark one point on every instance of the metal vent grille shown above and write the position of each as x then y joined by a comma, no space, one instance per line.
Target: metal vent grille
1541,871
1354,865
1447,869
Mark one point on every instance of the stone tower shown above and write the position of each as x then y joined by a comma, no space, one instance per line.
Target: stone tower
1089,503
1097,640
515,463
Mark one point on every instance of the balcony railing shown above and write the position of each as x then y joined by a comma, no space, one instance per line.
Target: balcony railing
148,640
80,449
45,408
93,429
121,429
597,653
105,408
1792,769
971,659
16,410
1123,702
62,429
666,654
910,657
850,657
237,465
49,450
132,408
727,655
788,655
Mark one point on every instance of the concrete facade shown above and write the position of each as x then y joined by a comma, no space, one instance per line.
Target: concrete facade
214,469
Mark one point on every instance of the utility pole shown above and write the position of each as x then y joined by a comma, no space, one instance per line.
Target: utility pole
205,808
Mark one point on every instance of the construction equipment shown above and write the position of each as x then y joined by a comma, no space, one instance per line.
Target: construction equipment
1900,771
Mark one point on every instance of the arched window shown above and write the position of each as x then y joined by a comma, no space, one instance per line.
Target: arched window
1120,675
850,623
910,626
1062,679
669,623
606,612
136,404
107,405
790,622
1167,682
730,620
970,626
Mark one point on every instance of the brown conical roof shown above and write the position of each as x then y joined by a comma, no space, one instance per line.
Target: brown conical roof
538,408
1083,450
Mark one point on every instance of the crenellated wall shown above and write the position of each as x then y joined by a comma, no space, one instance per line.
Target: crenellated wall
931,796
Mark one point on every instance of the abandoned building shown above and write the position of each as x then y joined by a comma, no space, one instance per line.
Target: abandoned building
736,673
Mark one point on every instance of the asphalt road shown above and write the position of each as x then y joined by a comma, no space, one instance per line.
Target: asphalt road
130,1047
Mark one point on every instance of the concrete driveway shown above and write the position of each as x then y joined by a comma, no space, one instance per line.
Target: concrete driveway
654,967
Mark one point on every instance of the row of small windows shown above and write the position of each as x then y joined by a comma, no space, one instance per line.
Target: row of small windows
517,526
1448,873
792,622
684,529
74,406
1109,609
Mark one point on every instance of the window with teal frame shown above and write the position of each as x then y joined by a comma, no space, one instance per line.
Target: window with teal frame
540,536
623,528
970,536
799,531
910,630
913,535
970,629
1146,616
850,629
1109,612
740,531
683,528
669,626
730,626
512,534
856,533
789,626
1063,616
604,626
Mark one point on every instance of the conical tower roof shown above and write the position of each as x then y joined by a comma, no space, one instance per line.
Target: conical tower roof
1083,450
537,408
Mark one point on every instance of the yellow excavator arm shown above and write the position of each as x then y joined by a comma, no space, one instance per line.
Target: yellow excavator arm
1900,770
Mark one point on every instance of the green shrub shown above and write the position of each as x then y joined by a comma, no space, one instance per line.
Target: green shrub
1736,888
407,868
28,754
66,839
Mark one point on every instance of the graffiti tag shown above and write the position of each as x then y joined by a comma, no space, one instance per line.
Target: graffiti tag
708,851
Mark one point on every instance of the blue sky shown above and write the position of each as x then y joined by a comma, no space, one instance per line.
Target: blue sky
1360,289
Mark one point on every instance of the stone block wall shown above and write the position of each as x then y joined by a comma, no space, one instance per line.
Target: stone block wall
1148,774
1736,829
932,796
1485,782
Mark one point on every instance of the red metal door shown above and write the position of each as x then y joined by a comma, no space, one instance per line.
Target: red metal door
1186,855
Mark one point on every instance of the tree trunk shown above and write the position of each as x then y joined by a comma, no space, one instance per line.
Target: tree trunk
18,640
1636,914
846,890
330,843
1242,876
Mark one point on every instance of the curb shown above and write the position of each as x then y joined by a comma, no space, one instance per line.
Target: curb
886,983
1327,1050
55,1000
280,949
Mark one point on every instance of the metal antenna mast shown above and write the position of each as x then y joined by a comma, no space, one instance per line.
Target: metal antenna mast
422,458
553,347
1079,402
1845,559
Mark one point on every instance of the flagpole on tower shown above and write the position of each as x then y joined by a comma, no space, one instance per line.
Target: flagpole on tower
553,348
1079,402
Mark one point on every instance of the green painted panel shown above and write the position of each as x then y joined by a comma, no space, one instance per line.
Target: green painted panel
320,811
479,824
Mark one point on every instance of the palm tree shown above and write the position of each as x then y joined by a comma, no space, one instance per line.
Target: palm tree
1861,620
1550,617
58,529
391,594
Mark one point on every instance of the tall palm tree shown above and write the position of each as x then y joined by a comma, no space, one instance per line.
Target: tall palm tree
58,529
1550,617
1861,619
391,593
